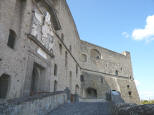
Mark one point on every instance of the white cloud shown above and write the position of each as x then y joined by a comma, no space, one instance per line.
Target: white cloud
147,33
125,34
147,95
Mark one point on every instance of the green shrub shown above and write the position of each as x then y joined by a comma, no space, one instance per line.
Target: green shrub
147,101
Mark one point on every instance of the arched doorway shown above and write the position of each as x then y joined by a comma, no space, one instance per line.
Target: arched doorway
91,93
4,84
77,89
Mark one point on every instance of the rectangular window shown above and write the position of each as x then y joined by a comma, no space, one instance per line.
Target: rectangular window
65,58
11,39
60,48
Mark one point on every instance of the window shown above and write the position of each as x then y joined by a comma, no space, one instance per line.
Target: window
116,72
76,69
128,86
70,81
102,80
65,58
55,70
95,55
130,93
55,86
11,39
54,19
81,78
37,74
60,48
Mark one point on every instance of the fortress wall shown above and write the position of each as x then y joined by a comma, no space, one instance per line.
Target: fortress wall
109,61
18,63
13,61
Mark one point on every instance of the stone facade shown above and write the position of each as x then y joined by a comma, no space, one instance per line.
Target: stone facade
40,51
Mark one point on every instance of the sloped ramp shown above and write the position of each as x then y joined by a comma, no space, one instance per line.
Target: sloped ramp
84,108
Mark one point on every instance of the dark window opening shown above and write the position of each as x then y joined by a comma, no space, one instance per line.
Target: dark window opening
76,69
4,83
116,72
70,80
128,86
130,93
102,80
55,70
11,39
60,48
66,59
81,78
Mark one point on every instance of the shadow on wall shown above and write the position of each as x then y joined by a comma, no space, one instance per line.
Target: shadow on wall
94,86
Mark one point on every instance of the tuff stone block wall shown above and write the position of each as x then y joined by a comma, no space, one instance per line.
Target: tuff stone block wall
115,69
39,43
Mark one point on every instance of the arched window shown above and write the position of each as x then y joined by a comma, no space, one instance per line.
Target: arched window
83,57
95,55
54,19
55,70
55,86
4,84
11,39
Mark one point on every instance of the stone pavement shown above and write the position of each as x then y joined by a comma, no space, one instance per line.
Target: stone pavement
84,108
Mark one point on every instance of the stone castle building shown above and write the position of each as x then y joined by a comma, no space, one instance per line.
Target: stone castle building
41,51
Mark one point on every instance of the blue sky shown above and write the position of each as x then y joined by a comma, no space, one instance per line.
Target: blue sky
121,25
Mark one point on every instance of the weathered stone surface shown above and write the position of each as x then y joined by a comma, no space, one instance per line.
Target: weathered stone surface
103,69
35,105
133,109
84,108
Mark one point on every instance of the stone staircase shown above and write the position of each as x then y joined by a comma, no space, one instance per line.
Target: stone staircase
83,108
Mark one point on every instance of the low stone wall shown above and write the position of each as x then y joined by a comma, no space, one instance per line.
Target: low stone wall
133,109
39,104
91,100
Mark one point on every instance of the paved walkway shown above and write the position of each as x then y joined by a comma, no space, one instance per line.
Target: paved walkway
83,108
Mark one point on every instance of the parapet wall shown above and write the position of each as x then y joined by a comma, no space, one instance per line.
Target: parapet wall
36,105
